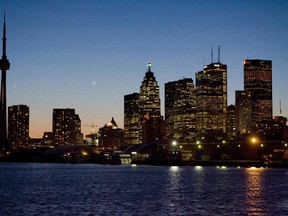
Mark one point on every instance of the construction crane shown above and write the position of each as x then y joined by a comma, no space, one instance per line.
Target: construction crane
93,135
93,126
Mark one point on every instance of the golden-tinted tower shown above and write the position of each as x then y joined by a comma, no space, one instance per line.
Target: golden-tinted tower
4,66
258,81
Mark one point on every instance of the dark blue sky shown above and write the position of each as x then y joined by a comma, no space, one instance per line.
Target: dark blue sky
88,54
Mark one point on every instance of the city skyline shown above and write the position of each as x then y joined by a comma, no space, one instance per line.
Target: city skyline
88,55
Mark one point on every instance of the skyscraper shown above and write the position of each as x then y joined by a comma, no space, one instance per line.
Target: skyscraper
149,106
132,126
149,103
211,97
4,66
66,127
243,112
230,123
180,111
18,126
258,81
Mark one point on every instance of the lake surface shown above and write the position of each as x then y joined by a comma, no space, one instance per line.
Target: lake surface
91,189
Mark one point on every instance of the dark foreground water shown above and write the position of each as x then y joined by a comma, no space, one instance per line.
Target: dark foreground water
90,189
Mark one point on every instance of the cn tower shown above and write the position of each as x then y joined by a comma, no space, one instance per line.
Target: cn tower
4,66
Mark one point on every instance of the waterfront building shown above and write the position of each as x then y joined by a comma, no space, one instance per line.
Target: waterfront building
180,111
110,136
211,97
258,81
66,127
4,66
243,112
149,107
132,125
18,126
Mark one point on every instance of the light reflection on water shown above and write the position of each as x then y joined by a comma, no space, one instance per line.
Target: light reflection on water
254,194
89,189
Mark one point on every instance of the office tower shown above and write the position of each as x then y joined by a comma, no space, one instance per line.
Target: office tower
4,66
243,112
149,106
180,111
149,103
18,126
66,127
231,122
110,136
258,81
211,97
132,126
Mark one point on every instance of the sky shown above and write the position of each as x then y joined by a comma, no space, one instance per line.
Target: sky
88,54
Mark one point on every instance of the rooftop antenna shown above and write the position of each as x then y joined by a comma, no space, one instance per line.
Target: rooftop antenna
211,54
149,66
218,53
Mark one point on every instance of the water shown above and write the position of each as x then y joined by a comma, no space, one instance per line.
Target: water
90,189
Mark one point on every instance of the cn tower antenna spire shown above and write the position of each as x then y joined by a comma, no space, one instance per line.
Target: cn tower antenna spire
4,38
4,67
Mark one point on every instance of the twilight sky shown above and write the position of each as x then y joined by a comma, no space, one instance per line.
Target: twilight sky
88,54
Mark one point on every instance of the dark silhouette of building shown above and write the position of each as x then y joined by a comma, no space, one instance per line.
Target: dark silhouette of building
258,81
18,126
110,136
4,66
66,127
180,111
132,125
48,139
211,97
243,112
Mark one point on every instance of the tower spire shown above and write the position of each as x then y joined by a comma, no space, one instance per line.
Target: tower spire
4,38
149,67
4,66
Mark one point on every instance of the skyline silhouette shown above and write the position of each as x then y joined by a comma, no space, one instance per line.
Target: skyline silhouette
88,55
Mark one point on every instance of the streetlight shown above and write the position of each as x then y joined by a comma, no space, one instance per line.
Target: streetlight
254,140
174,143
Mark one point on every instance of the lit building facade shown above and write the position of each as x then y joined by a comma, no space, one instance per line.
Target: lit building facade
258,81
180,111
243,112
149,103
18,126
231,123
66,127
211,97
132,125
149,107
